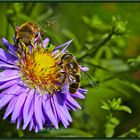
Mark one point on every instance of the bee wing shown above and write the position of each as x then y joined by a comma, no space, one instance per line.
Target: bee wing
49,21
52,20
91,80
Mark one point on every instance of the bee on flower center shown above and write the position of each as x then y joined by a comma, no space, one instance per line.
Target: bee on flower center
71,72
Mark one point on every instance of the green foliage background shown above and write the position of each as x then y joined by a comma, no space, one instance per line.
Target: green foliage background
107,40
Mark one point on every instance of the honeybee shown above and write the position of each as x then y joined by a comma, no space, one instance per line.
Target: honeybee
71,72
27,33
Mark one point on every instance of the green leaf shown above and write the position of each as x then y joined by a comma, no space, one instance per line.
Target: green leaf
110,126
105,106
120,27
114,121
86,20
109,131
125,108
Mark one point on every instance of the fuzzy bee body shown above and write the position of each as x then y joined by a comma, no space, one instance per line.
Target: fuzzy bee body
26,33
71,72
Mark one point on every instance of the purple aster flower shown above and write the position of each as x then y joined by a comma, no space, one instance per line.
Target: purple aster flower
32,88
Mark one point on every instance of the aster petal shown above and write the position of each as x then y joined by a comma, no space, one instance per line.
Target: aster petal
10,108
55,52
4,65
60,113
19,121
41,110
70,106
9,75
7,57
49,113
13,90
37,111
63,45
7,84
78,95
31,125
5,100
1,96
62,106
45,42
73,101
36,129
28,109
9,46
82,90
18,106
84,69
54,109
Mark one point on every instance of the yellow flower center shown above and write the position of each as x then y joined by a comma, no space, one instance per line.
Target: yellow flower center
40,71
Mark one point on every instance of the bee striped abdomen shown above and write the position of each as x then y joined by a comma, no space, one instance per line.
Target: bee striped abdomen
72,72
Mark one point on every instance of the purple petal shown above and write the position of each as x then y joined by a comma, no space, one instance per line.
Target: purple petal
54,109
7,57
73,101
36,129
31,124
9,94
9,46
7,84
55,52
10,108
41,109
62,106
13,90
9,75
60,113
19,121
45,42
82,90
2,95
84,69
78,95
64,45
70,106
18,106
28,109
64,49
49,113
4,65
37,111
5,100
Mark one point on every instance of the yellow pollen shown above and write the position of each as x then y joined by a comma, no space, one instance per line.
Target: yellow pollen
40,71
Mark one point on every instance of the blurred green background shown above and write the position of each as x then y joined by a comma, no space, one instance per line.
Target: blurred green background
107,40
